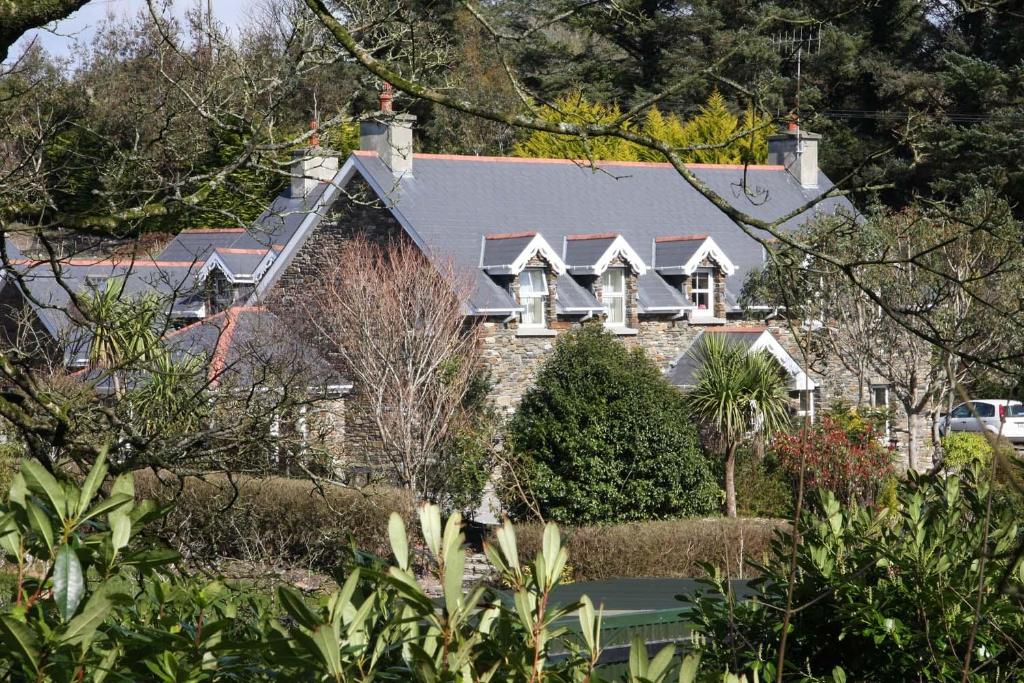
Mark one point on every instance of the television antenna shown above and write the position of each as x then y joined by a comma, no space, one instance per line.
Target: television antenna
793,45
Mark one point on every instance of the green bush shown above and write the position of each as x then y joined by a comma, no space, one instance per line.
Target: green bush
767,490
274,521
602,437
93,603
963,448
673,548
895,594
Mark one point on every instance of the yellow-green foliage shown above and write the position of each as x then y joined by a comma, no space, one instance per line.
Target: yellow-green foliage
963,448
713,125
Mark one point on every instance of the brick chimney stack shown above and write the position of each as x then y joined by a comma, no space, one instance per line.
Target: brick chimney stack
389,135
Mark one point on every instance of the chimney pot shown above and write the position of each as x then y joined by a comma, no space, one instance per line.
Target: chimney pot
386,97
389,135
314,139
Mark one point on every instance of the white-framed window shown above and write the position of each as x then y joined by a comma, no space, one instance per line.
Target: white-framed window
613,296
533,295
880,401
805,403
702,290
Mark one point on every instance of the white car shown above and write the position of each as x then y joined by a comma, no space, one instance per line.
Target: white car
997,416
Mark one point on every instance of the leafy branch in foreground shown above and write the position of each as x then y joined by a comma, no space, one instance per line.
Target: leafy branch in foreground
92,602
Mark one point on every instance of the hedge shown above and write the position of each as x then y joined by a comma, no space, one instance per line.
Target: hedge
275,521
673,548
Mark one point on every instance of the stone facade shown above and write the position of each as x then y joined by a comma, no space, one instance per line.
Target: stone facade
514,354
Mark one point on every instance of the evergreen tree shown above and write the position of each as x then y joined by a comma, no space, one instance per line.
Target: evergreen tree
603,437
714,124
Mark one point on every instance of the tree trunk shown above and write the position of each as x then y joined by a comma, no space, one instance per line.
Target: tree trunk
730,480
911,440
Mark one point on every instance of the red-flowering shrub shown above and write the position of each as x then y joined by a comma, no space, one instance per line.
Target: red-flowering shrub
849,460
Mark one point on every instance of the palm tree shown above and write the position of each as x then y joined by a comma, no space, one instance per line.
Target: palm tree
123,331
740,394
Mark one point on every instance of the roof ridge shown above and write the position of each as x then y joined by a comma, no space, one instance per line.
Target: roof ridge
240,250
109,260
594,236
511,235
680,238
579,162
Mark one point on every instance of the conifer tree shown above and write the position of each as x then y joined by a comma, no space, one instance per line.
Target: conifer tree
714,124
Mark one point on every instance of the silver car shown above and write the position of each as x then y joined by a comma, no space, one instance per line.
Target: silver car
997,416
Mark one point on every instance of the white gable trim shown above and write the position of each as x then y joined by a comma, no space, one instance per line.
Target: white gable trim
708,249
537,246
798,378
618,247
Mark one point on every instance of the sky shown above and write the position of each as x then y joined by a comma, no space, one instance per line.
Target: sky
82,24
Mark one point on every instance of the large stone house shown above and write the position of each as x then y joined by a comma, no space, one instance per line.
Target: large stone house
549,244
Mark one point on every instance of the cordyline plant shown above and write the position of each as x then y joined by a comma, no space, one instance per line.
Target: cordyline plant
92,603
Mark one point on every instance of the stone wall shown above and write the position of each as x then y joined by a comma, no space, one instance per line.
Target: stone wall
514,356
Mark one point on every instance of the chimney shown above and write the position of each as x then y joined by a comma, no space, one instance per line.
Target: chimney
310,167
389,135
797,150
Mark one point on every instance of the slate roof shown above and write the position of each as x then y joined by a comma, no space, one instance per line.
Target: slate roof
585,250
449,203
672,252
573,298
502,249
683,371
245,345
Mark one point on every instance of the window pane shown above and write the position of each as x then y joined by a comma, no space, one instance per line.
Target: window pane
531,282
613,281
881,397
533,312
617,311
985,409
961,411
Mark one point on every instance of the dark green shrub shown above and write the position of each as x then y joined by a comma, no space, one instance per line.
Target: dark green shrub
602,437
889,595
274,521
672,548
767,489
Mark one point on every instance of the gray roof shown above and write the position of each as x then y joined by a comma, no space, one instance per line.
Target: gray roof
655,294
250,346
241,261
586,250
502,249
683,372
450,203
674,252
572,298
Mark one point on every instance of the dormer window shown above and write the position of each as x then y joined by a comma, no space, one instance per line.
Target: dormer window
702,290
613,296
533,293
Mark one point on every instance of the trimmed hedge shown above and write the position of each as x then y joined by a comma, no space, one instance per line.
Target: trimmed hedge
275,521
673,548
